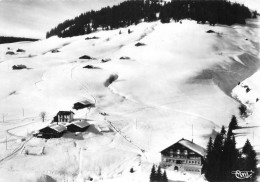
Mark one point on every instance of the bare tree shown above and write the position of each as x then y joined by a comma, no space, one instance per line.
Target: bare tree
43,116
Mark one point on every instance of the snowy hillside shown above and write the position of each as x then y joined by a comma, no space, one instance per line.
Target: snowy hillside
182,77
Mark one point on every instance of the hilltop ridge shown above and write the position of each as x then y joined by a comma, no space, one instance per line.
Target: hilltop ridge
133,12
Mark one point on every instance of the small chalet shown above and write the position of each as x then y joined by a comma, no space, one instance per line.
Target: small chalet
64,116
52,131
184,155
78,126
19,67
83,104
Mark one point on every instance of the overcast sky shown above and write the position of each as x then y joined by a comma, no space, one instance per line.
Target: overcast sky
33,18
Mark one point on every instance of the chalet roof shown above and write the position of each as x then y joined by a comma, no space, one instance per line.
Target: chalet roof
85,102
190,145
58,127
80,123
65,113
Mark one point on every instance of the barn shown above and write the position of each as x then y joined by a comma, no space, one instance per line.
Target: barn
184,155
52,131
78,126
83,104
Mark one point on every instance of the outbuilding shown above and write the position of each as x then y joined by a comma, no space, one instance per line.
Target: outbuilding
78,126
83,104
52,131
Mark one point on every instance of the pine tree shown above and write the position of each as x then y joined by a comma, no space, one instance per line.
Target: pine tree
159,174
216,157
88,29
232,126
153,174
243,111
248,160
164,177
207,167
229,158
132,170
223,131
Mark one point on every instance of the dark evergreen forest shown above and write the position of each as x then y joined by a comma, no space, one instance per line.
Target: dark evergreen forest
135,11
223,158
4,40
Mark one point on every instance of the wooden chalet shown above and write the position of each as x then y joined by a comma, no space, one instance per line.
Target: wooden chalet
52,131
83,104
184,155
64,116
78,126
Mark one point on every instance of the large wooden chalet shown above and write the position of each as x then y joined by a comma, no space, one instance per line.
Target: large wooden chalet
52,131
64,116
184,155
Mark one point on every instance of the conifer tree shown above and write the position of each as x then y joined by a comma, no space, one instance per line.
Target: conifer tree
229,158
207,167
153,174
232,126
223,131
159,174
164,177
248,160
88,29
216,157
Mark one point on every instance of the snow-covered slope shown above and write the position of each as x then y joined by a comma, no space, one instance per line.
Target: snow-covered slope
181,78
250,98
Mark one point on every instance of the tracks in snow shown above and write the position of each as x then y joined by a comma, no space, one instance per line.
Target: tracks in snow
124,136
9,156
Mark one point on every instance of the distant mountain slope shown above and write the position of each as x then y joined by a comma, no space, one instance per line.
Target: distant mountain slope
4,39
134,12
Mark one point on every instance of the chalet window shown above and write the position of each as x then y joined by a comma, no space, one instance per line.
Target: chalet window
171,152
178,152
185,152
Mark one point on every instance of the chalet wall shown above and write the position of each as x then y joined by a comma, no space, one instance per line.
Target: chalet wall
179,157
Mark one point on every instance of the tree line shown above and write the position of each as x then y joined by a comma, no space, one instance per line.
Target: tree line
135,11
4,40
223,157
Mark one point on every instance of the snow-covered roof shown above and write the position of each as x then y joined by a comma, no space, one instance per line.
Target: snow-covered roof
65,113
86,102
58,127
190,145
80,123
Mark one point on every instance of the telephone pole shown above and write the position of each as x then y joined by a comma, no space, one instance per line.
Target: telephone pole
192,132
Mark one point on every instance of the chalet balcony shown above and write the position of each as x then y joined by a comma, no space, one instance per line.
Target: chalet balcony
175,156
177,160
